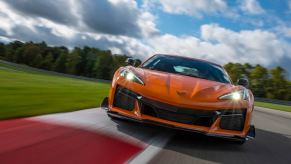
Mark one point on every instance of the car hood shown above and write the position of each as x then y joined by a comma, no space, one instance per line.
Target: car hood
173,87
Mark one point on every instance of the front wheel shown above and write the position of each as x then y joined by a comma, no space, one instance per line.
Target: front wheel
240,142
112,117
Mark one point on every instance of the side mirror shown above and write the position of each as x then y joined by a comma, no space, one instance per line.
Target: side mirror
129,61
137,62
243,82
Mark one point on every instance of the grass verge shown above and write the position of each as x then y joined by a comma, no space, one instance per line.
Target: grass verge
24,92
274,106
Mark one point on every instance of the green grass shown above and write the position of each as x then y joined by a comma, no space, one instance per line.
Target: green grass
25,92
274,106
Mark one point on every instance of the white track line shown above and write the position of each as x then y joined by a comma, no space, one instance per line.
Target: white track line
155,146
94,120
274,112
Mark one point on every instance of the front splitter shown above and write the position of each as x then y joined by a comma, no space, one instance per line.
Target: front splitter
228,137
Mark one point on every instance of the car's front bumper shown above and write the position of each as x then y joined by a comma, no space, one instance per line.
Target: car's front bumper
250,133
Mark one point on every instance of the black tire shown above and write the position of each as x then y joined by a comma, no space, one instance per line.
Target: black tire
240,142
112,117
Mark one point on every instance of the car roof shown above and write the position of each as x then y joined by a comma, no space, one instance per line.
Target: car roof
189,58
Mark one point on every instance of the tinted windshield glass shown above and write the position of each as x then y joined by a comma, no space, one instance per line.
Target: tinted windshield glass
187,67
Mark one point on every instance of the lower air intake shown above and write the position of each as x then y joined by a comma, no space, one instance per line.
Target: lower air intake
233,120
124,98
177,114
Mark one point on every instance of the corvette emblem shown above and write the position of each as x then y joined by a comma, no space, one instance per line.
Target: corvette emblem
139,97
181,93
218,113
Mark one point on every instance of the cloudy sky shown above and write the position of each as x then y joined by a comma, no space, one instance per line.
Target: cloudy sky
254,31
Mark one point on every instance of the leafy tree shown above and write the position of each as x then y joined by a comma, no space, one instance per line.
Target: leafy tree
118,61
263,83
29,53
103,67
37,61
60,64
88,57
288,96
10,50
19,58
48,62
72,62
278,83
91,58
258,80
236,70
2,50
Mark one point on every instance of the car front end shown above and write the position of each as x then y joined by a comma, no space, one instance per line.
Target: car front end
181,102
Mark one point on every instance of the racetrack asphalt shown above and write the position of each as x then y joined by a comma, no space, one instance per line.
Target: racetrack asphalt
271,145
160,145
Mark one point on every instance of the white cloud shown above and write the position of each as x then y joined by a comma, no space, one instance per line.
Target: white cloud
5,40
58,10
195,8
216,43
25,27
147,24
252,7
254,46
116,17
289,5
223,45
283,30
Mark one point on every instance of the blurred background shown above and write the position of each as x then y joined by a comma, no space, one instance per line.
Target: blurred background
57,59
53,52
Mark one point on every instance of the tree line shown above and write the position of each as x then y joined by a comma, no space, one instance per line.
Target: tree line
86,61
101,64
266,83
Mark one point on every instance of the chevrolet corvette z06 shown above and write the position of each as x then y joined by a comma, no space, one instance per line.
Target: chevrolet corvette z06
182,93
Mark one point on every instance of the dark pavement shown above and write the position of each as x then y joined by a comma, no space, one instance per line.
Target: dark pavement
271,145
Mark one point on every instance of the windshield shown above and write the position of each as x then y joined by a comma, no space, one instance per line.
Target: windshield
187,67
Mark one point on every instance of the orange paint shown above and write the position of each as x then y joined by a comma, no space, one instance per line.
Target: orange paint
185,92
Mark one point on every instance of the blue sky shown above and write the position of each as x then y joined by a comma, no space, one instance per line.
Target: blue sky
253,31
183,24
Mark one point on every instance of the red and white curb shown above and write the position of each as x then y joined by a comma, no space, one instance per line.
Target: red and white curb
86,136
152,149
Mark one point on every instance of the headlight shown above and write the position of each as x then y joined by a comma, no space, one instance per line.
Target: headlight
130,76
236,95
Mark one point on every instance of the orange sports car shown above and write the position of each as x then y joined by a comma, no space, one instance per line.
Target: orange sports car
182,93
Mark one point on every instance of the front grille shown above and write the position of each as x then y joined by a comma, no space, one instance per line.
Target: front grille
177,114
230,119
124,98
233,119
